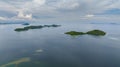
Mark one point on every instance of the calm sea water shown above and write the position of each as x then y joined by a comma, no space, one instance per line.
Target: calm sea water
50,47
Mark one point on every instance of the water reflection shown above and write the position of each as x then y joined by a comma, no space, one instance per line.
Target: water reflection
50,47
16,62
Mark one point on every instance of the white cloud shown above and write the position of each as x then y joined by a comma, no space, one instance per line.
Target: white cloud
40,2
3,18
21,15
7,7
59,8
65,4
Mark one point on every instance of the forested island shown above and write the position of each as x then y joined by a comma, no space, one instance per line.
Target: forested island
92,32
35,27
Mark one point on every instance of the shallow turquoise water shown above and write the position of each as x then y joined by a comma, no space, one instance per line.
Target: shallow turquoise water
50,47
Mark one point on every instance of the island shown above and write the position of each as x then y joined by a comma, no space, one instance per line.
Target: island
35,27
75,33
92,32
25,24
96,32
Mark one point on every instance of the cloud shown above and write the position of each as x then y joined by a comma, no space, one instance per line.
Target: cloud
7,10
65,4
40,2
59,8
3,18
21,15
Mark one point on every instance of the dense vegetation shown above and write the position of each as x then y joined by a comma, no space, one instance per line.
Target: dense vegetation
75,33
34,27
96,32
92,32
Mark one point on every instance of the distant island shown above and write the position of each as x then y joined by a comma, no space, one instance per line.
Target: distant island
35,27
92,32
25,24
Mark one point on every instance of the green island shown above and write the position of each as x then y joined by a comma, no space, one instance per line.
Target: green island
17,62
92,32
35,27
96,32
75,33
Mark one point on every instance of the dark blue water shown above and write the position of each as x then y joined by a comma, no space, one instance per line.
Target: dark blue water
52,48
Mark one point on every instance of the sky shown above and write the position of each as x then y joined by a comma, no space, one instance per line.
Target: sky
60,10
